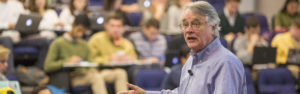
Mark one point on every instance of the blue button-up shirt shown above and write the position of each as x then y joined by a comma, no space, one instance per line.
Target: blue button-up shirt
215,70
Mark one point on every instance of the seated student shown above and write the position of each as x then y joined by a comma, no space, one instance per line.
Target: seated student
49,16
232,22
10,11
289,12
155,10
114,6
42,40
68,14
172,80
149,43
8,43
285,41
244,46
4,53
173,20
71,48
110,46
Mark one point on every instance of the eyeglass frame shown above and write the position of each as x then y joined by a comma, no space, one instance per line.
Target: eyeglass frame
194,25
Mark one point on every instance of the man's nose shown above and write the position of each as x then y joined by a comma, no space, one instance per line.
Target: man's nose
189,29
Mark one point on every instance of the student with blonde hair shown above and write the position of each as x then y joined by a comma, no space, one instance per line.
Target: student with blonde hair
4,53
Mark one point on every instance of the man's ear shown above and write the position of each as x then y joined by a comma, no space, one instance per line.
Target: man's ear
214,27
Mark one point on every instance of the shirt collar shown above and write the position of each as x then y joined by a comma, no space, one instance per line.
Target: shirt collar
68,37
226,12
204,53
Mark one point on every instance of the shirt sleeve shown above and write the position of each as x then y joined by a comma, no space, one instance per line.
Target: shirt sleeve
132,51
173,25
241,51
281,52
95,55
229,79
13,14
66,18
48,21
278,20
52,63
174,91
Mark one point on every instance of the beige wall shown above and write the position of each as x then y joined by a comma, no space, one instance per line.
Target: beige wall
247,6
269,8
266,7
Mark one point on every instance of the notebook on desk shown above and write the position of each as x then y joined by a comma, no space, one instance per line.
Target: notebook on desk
6,86
81,64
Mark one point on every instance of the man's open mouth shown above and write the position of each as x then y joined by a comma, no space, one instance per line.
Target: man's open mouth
191,38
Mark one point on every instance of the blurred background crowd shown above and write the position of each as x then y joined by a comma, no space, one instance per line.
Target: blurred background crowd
141,42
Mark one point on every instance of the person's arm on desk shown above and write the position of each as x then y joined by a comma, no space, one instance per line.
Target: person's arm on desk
52,63
95,55
74,60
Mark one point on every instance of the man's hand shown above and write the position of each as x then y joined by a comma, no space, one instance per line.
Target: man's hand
74,59
59,24
11,26
135,90
120,57
254,38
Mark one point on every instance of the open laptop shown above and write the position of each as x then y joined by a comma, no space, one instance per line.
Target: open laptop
264,55
10,85
172,58
293,56
97,23
28,23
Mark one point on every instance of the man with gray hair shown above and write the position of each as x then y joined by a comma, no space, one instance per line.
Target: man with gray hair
211,68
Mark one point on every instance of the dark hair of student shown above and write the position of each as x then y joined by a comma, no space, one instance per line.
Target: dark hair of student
284,8
83,20
184,51
72,7
33,7
252,22
152,23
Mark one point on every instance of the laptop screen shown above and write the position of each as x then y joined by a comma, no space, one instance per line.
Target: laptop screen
293,56
264,55
28,23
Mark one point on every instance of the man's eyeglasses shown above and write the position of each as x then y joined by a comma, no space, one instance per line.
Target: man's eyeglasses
194,25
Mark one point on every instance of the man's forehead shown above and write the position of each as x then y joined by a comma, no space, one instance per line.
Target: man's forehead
189,16
192,19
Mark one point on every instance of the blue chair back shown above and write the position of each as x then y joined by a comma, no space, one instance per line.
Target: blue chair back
150,79
95,2
218,4
249,81
81,90
279,80
135,18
